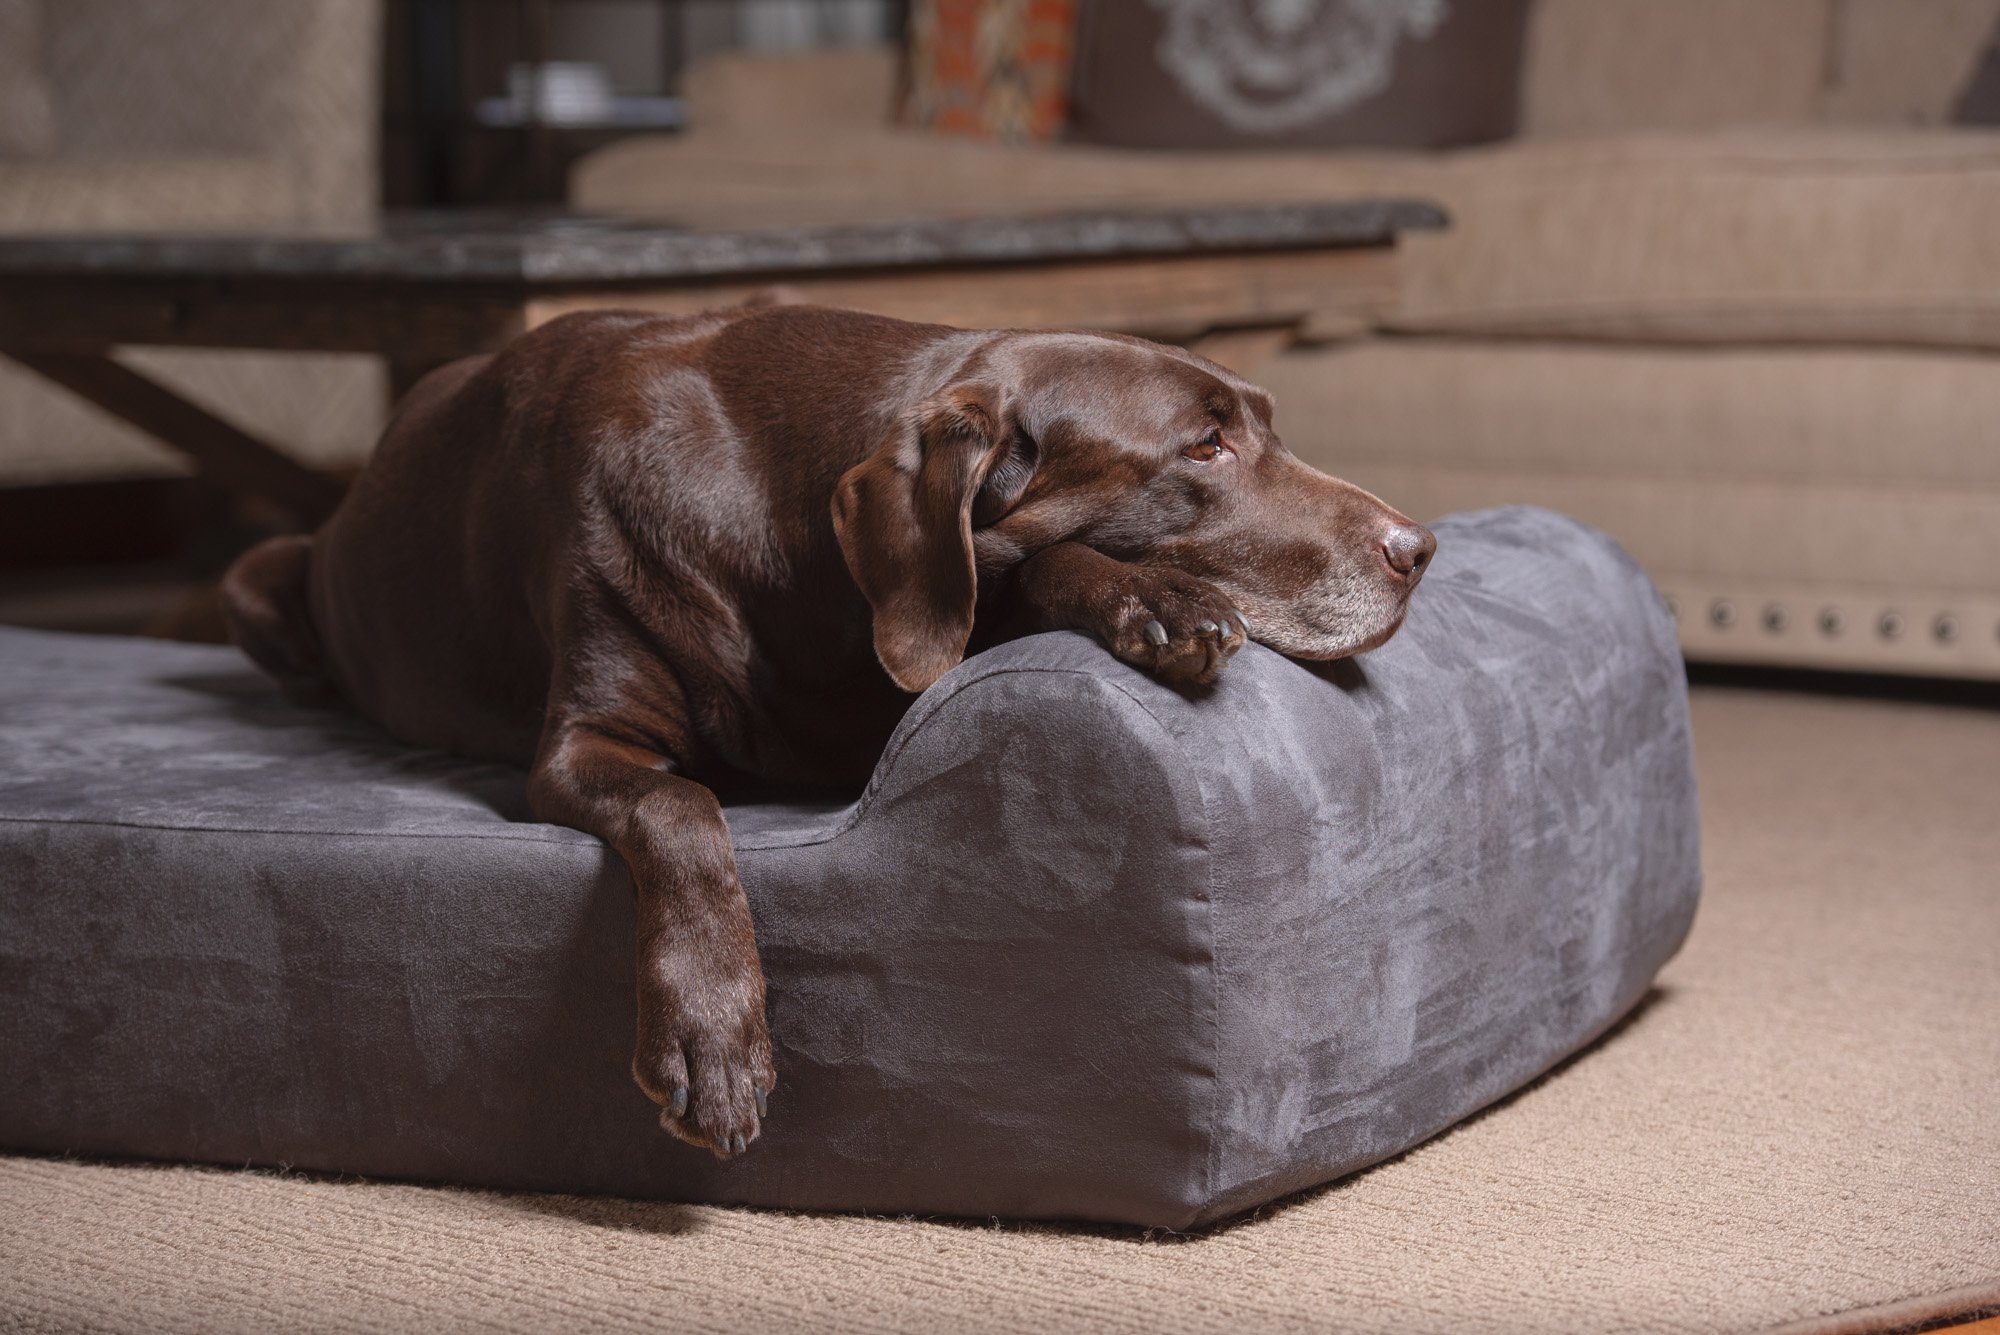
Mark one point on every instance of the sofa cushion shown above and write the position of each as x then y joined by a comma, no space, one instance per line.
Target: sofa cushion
182,77
1895,63
27,110
1768,460
210,192
1084,948
1789,234
1806,234
1607,66
812,92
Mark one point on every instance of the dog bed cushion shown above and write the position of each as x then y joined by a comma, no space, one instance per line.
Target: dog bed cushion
1084,948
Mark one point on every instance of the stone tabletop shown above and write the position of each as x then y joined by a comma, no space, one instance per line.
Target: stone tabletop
553,251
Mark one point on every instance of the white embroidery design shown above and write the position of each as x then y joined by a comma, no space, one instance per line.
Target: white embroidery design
1269,65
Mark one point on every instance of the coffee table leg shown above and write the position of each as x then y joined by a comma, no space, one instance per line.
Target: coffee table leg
225,452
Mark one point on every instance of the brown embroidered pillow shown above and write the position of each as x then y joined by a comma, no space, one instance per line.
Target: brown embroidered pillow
1297,73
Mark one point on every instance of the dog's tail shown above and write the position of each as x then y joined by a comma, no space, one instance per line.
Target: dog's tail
264,600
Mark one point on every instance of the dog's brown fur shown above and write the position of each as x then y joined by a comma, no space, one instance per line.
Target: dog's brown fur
638,552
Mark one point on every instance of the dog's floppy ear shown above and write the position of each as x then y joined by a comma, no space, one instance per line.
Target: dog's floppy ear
904,520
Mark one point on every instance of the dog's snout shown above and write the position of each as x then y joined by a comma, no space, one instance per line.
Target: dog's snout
1408,549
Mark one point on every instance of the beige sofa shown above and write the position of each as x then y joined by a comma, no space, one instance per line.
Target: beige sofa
190,115
1734,295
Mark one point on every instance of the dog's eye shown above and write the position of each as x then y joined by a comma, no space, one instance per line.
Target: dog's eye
1206,450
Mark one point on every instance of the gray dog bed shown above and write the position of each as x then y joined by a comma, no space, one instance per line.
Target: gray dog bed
1085,948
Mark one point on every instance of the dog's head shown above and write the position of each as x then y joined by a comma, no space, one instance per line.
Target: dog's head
1146,453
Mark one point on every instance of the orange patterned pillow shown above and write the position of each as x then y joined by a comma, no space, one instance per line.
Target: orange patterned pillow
998,69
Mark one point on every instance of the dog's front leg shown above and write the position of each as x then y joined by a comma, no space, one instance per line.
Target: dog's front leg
1155,617
703,1053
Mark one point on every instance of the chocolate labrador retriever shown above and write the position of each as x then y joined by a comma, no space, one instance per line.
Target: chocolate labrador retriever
636,552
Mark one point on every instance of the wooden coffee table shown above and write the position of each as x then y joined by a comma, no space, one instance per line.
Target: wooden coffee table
1239,283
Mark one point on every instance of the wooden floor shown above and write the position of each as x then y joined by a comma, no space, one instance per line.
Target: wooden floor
1985,1326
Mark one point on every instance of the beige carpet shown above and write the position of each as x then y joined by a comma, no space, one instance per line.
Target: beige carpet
1803,1123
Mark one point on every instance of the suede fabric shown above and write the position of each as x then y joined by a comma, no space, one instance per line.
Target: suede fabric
1084,948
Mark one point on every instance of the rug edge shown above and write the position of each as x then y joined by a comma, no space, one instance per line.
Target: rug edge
1968,1302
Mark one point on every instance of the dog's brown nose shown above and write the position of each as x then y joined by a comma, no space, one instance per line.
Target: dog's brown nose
1408,550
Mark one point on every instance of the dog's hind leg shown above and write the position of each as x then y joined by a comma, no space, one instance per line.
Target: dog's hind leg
264,600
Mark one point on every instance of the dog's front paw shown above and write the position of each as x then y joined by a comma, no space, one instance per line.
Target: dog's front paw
1177,626
703,1053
